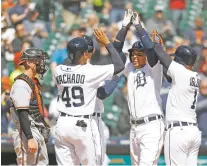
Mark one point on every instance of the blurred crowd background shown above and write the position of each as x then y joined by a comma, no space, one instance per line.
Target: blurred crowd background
50,24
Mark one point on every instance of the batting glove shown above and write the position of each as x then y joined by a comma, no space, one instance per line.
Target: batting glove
127,21
136,18
156,38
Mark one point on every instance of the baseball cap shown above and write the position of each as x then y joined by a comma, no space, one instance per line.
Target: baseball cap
159,8
89,42
137,46
76,47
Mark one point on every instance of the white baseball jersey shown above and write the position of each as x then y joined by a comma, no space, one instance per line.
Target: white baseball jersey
20,89
77,87
182,97
99,107
144,90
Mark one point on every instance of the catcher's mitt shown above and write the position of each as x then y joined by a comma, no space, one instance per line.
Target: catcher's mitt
156,38
46,134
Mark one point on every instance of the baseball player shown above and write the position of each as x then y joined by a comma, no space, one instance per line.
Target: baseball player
109,87
102,93
182,138
31,132
144,78
77,86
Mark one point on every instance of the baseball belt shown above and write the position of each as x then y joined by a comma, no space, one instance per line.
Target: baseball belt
83,116
80,116
146,119
177,124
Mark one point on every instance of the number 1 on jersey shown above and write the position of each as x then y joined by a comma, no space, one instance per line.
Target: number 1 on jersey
74,90
195,96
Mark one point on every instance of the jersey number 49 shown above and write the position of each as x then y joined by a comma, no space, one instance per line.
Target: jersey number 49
76,94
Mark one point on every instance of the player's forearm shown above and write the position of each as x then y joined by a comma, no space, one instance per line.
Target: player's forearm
120,38
143,35
123,57
148,44
162,55
106,90
115,58
24,122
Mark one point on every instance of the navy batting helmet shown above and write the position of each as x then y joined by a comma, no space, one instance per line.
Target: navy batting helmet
136,46
76,47
89,41
185,55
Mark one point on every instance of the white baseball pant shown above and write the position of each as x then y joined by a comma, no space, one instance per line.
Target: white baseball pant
181,145
99,139
75,144
146,141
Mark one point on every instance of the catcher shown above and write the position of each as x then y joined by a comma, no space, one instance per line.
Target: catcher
31,132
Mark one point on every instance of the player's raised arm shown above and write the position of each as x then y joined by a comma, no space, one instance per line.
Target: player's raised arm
120,37
107,89
102,38
148,43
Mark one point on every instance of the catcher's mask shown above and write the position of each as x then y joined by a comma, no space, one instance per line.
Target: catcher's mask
38,56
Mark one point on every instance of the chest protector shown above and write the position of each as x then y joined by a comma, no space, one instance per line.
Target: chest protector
35,106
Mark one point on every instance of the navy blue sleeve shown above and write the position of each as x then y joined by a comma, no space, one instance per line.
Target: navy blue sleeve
123,57
115,58
157,48
106,90
148,44
120,38
162,55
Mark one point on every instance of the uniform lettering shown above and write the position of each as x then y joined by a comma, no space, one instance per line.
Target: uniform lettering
70,79
57,80
64,78
140,79
195,82
82,79
60,79
73,78
77,78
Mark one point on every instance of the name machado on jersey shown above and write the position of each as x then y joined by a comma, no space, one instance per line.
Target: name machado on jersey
70,79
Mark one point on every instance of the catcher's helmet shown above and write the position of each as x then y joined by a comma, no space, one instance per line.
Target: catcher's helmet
136,46
76,47
38,56
185,55
89,41
33,54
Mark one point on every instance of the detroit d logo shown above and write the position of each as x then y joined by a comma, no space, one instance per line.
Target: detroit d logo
140,79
